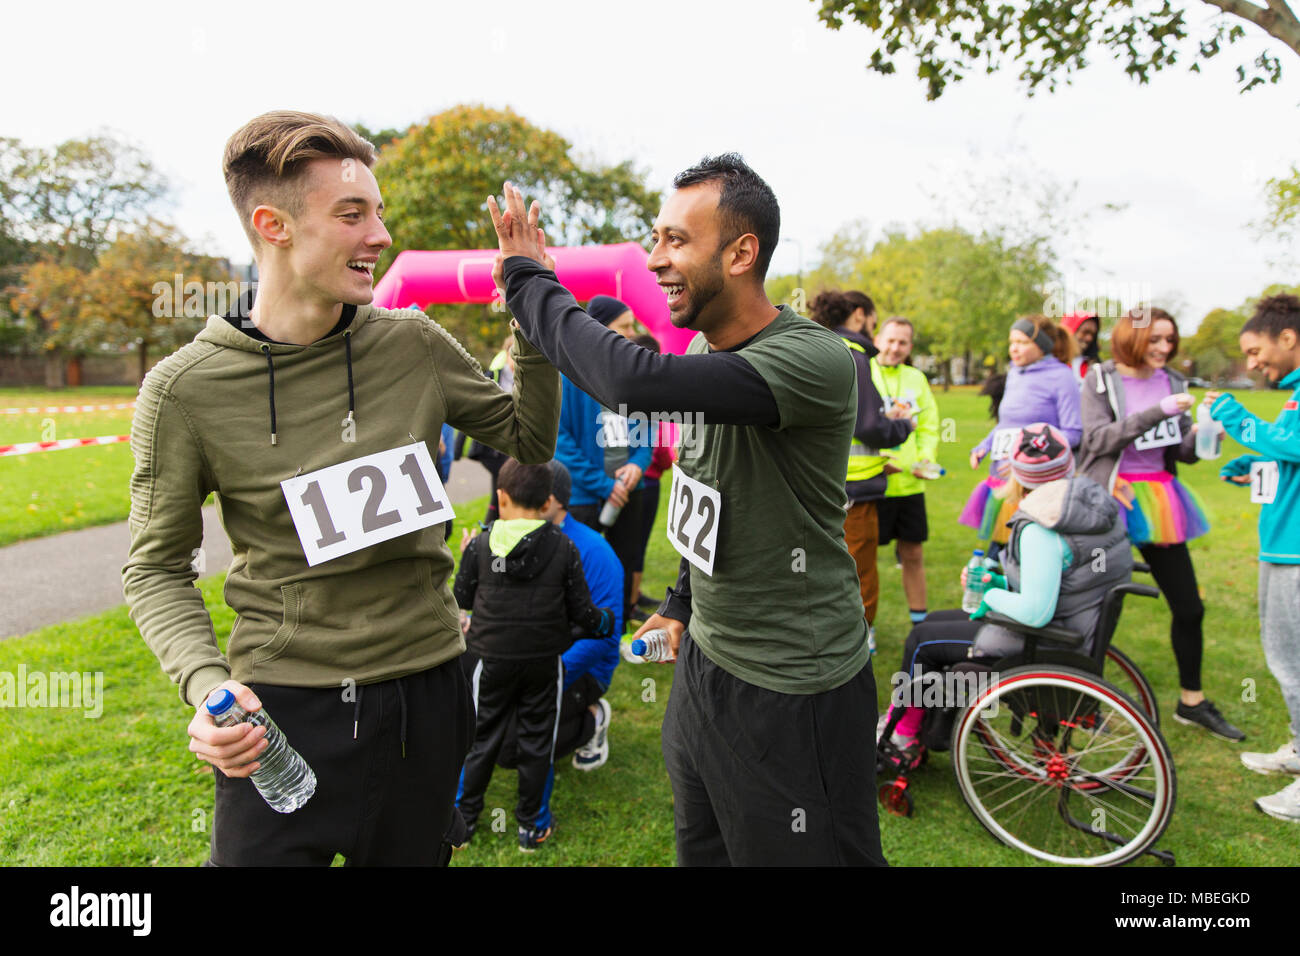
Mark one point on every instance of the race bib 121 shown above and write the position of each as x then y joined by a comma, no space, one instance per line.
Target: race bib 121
358,503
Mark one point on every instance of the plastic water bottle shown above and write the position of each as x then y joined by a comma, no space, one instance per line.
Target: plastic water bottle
653,646
284,780
1207,434
930,470
609,514
975,586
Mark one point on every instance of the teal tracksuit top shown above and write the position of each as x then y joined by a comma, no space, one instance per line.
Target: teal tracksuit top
1279,522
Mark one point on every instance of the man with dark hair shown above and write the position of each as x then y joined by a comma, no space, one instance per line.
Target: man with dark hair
312,417
524,580
768,733
1271,342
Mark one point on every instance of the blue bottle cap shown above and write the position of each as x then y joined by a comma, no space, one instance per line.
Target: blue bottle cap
979,552
638,647
220,701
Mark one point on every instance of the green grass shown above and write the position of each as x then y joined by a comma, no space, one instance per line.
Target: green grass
123,789
53,491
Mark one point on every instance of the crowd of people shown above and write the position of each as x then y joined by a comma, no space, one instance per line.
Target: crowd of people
404,684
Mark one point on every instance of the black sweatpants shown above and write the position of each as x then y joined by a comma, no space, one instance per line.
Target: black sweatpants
1171,566
373,803
524,694
762,778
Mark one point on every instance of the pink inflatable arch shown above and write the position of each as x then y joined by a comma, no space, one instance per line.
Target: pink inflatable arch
433,278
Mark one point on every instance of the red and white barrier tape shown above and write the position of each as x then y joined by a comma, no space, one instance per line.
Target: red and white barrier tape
50,409
31,447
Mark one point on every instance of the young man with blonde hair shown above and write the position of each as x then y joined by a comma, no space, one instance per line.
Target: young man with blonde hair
310,415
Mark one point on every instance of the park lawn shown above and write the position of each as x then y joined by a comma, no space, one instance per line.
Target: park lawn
123,789
52,491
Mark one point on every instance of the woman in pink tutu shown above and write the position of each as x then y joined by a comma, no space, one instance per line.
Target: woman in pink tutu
1040,388
1136,429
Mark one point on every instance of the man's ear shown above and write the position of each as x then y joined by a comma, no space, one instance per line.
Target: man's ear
1288,339
743,254
272,225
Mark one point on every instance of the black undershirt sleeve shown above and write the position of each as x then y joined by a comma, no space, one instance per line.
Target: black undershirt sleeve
677,603
721,386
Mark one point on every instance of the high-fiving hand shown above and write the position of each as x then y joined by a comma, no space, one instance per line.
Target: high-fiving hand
518,233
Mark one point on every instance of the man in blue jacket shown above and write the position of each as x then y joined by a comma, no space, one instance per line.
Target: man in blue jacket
596,445
1271,342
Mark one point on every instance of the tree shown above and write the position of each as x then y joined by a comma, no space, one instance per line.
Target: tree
129,299
961,290
1282,196
437,176
68,202
1051,40
45,303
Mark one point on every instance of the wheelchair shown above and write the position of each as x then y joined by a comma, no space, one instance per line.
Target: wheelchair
1057,751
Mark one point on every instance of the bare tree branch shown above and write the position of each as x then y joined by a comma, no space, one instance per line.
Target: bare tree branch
1277,19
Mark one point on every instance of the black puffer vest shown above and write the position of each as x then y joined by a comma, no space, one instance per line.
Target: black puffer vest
519,609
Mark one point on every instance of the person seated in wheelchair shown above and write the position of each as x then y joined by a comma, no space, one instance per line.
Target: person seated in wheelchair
1067,548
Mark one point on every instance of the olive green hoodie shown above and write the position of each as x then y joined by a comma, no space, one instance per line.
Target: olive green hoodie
203,423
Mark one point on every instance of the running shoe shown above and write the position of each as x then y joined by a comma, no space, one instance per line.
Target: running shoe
595,751
1283,760
647,603
530,838
1207,716
1283,805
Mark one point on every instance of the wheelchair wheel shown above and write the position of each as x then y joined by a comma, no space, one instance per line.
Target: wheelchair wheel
1061,765
1122,673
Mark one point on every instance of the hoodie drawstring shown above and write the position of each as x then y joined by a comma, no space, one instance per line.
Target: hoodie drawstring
270,372
352,397
352,402
401,700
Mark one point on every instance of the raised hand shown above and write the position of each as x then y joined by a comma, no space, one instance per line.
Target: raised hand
517,231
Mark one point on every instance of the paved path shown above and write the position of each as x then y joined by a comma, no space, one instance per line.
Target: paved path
66,576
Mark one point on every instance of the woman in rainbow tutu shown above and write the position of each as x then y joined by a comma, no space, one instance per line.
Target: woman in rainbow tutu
1136,430
1040,387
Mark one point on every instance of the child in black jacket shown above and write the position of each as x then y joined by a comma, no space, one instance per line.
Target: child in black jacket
523,578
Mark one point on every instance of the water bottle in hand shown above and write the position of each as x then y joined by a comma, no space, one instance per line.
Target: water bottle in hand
284,780
975,586
1207,434
653,646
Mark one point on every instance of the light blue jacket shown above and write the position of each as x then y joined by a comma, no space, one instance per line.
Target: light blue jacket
1279,522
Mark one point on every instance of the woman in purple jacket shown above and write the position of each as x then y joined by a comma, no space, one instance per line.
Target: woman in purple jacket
1041,387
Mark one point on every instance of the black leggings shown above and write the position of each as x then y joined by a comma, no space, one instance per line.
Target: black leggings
1171,566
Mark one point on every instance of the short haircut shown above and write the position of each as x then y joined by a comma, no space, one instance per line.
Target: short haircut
1132,334
746,204
266,158
647,341
527,485
897,320
1064,347
860,300
1274,315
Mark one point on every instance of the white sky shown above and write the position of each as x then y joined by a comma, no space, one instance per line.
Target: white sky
664,83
